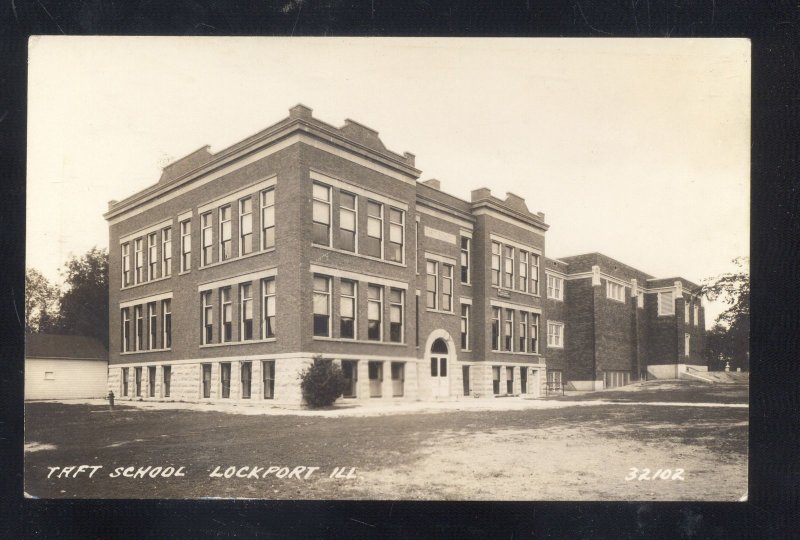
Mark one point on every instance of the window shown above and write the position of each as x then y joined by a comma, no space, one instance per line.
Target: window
167,376
398,378
268,308
465,327
347,309
496,380
686,311
166,323
613,379
151,381
152,255
555,335
465,380
523,380
321,214
226,311
225,242
374,312
225,379
495,264
534,273
666,303
465,251
245,226
522,336
152,320
246,311
268,219
509,380
640,299
687,342
696,313
268,378
166,252
125,374
508,331
246,376
207,237
375,371
208,318
447,287
615,291
126,330
374,229
416,244
534,333
554,379
137,381
138,247
396,302
49,376
206,380
523,271
347,221
186,245
138,328
350,372
432,282
126,264
508,268
555,288
495,328
396,235
322,306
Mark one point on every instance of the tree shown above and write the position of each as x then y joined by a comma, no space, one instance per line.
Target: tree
322,383
730,336
41,303
84,303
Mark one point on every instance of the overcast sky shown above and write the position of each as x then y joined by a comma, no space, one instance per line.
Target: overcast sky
638,149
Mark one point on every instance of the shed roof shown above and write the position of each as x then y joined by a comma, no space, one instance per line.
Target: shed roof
60,346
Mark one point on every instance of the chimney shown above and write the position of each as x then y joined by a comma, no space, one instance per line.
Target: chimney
480,193
434,183
410,158
300,111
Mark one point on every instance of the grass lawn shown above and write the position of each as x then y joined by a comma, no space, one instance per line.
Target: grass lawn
570,453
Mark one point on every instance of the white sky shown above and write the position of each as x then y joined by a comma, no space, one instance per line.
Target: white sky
638,149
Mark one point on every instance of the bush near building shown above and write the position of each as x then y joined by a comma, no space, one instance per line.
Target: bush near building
322,383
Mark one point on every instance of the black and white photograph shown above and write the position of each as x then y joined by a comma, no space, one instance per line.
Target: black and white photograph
462,269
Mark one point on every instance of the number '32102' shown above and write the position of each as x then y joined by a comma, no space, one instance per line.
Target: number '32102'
660,474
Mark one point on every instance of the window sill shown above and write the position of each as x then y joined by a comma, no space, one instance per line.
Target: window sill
517,353
429,310
144,352
234,343
555,346
145,283
183,273
507,290
359,255
364,341
239,258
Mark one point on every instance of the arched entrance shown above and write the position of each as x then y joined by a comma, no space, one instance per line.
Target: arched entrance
441,355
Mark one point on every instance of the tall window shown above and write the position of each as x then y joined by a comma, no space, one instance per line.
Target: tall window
186,245
138,328
523,270
374,229
246,376
555,334
496,264
432,283
245,226
508,331
246,311
268,218
268,378
374,312
396,315
321,214
126,330
322,306
534,333
225,241
465,251
666,303
686,312
206,380
396,235
126,264
465,327
152,320
138,248
347,221
208,318
207,237
166,323
522,336
640,299
615,291
687,342
555,288
167,376
166,252
152,254
225,379
125,375
447,287
226,309
508,268
696,313
347,309
534,273
268,308
495,328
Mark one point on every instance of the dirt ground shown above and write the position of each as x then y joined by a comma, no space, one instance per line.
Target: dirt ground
581,450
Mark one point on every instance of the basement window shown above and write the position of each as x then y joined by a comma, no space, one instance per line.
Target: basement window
49,376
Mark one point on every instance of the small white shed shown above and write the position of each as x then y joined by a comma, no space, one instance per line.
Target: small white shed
63,367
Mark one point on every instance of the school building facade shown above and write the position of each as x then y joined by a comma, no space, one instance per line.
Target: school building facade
236,269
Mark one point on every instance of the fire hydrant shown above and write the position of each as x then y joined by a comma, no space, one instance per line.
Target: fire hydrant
111,399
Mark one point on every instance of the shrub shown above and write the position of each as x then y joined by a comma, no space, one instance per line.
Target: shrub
322,383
